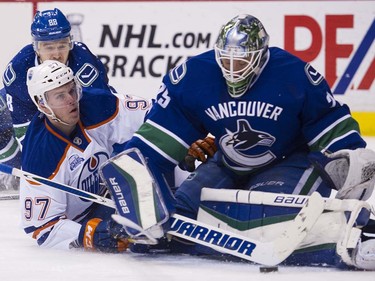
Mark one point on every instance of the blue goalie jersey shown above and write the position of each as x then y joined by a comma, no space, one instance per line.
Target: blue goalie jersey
290,108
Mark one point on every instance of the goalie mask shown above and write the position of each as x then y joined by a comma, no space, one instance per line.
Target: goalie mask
241,51
48,76
51,25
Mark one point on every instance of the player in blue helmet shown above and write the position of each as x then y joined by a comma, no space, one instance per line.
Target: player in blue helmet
51,40
269,112
50,32
50,25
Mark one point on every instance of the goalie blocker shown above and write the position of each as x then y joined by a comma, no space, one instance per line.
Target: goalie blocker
142,211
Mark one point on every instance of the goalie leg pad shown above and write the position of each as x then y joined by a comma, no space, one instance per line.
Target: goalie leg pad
134,191
364,255
340,226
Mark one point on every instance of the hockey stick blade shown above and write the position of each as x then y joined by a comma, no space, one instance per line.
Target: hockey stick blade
9,196
63,187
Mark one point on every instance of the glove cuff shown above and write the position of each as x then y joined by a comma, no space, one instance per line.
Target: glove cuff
86,235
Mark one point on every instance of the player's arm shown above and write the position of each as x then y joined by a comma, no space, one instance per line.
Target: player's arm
17,97
45,218
326,123
102,78
124,115
330,129
9,149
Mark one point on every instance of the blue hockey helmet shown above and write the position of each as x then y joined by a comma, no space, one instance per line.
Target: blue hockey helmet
50,25
241,51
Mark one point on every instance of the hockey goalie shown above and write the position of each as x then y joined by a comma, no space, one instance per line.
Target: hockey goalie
263,227
268,111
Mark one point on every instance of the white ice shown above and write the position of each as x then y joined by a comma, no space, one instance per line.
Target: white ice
22,259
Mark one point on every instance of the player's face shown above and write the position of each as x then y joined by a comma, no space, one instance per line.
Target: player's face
54,50
64,102
238,64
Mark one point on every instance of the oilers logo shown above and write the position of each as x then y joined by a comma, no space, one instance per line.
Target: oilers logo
88,180
236,147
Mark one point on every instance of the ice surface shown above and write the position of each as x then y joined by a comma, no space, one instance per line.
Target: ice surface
22,259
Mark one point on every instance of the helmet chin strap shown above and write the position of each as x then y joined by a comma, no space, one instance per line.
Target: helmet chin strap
54,117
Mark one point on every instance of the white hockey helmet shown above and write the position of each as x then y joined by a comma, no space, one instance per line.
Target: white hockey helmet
48,76
241,51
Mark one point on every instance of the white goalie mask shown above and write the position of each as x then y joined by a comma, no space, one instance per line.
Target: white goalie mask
48,76
241,51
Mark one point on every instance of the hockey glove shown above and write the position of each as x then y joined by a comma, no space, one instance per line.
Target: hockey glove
199,150
351,172
104,236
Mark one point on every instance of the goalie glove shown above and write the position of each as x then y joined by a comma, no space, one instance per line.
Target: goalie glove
104,236
199,150
351,172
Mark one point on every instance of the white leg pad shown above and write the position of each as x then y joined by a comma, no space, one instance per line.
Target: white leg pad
364,255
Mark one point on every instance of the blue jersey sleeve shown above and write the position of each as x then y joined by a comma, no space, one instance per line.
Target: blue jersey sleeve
14,78
87,67
327,123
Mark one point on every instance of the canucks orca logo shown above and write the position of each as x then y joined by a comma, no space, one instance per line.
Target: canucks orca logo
235,144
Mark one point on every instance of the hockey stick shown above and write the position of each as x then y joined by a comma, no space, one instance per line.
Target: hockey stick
257,197
63,187
274,199
9,196
267,253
